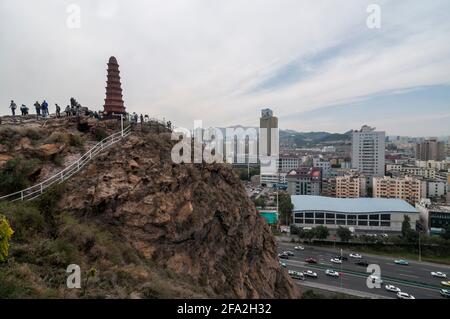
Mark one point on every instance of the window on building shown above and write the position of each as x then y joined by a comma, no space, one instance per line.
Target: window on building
298,215
374,217
320,215
298,220
374,223
386,224
351,222
362,217
320,221
309,215
331,216
340,216
362,222
386,217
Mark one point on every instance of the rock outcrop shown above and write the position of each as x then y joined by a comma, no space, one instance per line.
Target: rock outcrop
195,220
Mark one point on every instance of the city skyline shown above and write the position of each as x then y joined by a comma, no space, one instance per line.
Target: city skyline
317,65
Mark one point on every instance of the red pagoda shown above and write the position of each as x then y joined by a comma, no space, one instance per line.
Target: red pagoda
114,98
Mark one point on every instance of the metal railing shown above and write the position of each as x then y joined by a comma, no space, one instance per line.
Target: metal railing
38,189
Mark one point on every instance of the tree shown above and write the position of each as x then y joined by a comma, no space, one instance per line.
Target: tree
408,233
285,206
446,235
5,235
322,232
260,202
344,234
406,226
310,234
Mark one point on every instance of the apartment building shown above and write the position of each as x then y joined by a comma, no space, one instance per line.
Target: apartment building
304,181
406,188
350,186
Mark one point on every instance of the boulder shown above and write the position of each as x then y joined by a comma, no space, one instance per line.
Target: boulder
48,150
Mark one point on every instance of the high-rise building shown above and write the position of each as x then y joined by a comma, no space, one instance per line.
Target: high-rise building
269,123
368,152
406,188
268,145
431,150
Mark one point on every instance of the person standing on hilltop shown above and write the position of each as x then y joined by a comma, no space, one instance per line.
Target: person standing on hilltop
68,110
58,110
24,110
38,109
44,108
13,108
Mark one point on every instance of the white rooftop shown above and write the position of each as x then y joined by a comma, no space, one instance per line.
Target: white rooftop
351,205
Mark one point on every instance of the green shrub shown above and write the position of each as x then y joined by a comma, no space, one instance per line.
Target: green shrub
14,175
100,134
25,219
75,140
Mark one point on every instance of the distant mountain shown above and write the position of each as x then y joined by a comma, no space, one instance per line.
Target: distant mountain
310,139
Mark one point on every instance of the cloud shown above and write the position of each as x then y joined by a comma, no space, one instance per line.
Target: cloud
222,61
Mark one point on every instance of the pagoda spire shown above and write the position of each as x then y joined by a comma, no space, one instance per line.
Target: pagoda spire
114,99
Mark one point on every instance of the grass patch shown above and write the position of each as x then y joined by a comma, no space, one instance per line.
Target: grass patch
14,176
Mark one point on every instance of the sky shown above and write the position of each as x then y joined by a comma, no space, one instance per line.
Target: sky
315,63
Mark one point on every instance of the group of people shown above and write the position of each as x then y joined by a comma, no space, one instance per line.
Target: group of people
42,109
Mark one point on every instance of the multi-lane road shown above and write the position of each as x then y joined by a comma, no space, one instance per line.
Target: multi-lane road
414,279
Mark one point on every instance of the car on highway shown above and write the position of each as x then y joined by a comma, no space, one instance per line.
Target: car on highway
331,273
401,262
392,288
296,275
404,295
282,264
336,261
289,253
445,293
299,248
375,279
356,256
438,274
310,273
311,261
283,256
342,257
362,263
445,283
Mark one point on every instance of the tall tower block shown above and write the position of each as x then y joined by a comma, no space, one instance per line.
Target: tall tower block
114,99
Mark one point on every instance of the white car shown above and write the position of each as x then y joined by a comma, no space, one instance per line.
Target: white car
336,261
310,273
438,274
357,256
392,288
331,273
299,248
404,295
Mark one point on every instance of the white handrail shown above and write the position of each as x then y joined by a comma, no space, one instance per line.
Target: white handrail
38,189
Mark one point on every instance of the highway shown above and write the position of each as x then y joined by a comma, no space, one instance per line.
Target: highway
414,279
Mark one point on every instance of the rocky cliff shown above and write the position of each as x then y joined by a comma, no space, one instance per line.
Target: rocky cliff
138,225
195,220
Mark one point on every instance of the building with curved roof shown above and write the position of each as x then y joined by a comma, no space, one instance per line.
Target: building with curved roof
361,214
